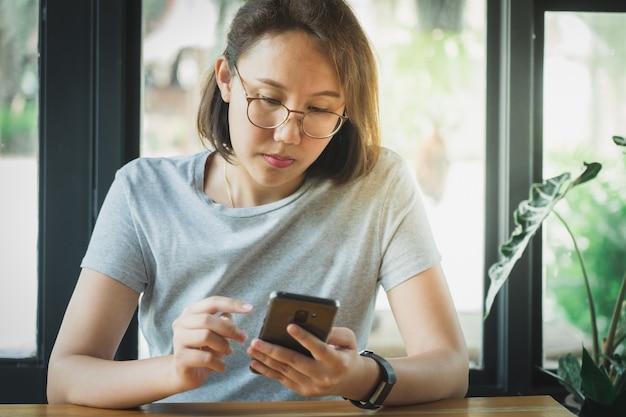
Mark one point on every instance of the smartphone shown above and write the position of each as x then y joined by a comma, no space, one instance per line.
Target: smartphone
314,314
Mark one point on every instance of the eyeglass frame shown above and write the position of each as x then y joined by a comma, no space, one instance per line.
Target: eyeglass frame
342,118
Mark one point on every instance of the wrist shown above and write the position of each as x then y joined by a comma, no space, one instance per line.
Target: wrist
384,383
179,377
363,378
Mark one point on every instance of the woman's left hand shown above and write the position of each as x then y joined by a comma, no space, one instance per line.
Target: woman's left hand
329,372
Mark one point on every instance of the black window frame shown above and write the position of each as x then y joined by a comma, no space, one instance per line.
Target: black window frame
512,337
89,118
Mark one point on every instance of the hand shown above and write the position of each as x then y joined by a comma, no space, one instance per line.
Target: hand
327,373
202,336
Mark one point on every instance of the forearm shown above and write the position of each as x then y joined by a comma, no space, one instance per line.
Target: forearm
437,363
104,383
430,376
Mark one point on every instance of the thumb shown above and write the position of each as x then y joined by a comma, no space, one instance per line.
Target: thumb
342,338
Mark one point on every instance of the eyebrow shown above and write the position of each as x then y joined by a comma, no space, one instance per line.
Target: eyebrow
274,83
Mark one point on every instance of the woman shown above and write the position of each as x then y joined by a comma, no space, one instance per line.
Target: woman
296,195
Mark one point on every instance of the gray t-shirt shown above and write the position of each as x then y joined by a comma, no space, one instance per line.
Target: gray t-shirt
161,235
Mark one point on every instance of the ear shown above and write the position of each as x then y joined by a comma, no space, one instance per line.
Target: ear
223,77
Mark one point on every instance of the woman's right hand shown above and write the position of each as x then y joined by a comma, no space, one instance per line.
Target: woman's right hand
202,338
82,369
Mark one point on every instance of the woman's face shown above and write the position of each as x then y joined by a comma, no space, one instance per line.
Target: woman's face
288,68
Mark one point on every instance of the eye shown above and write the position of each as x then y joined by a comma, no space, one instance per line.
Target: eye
271,101
314,109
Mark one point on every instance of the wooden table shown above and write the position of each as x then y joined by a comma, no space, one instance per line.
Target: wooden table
532,406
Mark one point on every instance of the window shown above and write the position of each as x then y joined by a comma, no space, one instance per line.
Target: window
432,62
583,107
87,126
18,179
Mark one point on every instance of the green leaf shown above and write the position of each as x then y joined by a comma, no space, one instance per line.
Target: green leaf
620,385
528,217
591,171
568,375
619,140
569,370
596,384
618,366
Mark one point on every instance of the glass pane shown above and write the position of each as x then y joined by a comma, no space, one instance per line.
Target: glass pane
432,62
182,38
18,178
584,106
433,65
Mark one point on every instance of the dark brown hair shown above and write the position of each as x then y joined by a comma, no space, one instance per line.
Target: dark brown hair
353,150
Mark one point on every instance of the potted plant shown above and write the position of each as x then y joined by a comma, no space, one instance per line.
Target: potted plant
597,382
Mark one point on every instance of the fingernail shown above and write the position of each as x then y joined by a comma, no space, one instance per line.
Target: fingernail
246,306
293,329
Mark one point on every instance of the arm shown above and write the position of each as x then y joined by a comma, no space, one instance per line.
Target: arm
437,363
82,369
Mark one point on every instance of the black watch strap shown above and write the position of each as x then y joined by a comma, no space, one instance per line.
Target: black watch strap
383,388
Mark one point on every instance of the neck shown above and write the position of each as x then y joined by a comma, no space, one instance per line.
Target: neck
227,183
241,190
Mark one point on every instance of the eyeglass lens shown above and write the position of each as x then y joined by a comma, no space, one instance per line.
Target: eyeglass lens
269,114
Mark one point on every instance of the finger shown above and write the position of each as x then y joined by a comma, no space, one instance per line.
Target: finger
342,338
216,304
202,338
295,371
278,362
226,316
317,347
220,325
200,358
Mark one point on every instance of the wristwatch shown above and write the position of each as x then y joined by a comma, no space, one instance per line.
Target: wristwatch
388,378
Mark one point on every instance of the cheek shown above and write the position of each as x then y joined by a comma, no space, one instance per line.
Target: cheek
238,122
244,135
315,148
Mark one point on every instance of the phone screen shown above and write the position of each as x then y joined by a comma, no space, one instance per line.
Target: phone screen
314,314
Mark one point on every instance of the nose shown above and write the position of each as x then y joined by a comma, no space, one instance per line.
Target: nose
290,133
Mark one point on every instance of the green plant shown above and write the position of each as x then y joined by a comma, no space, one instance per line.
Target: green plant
595,214
599,383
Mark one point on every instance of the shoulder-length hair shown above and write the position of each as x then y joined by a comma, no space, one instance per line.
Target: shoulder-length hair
353,150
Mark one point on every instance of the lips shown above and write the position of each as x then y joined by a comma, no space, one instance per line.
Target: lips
278,161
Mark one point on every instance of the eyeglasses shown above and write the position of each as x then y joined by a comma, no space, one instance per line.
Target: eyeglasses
268,113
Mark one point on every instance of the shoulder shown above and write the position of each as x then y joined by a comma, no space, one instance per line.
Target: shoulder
390,168
163,177
156,169
389,160
390,175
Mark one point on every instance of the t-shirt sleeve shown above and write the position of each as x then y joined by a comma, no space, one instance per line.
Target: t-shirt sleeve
115,247
408,245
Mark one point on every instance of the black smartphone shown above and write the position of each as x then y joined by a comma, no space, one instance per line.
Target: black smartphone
314,314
